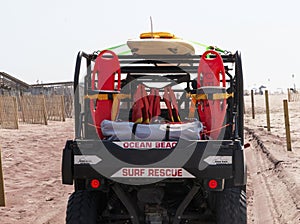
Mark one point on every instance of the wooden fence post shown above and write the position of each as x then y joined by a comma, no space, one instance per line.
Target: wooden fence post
252,104
63,108
44,110
16,118
2,195
267,110
289,95
22,108
287,125
0,111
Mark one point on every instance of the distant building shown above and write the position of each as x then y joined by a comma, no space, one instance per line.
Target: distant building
10,85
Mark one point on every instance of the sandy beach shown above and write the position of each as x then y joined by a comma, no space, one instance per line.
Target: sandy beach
273,172
31,158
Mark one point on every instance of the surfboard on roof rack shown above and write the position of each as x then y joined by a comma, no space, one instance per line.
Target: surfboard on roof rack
160,43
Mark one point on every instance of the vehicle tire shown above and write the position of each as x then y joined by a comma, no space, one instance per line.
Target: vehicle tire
83,207
231,206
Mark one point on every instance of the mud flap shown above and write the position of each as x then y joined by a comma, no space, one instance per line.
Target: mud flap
240,175
67,164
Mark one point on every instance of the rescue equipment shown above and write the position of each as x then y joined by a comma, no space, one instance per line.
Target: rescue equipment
106,67
212,105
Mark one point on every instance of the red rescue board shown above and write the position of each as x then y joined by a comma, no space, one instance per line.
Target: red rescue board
106,67
211,111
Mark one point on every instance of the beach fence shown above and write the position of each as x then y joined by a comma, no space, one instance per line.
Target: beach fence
8,112
38,109
33,109
69,107
55,106
2,195
293,95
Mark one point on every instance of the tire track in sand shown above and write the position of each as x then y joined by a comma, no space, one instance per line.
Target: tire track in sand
269,198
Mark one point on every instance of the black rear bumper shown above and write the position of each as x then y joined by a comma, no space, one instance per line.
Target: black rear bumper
204,160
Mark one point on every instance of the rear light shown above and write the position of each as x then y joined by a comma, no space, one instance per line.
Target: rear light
95,183
212,184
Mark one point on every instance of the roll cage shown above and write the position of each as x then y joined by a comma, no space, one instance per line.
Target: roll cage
178,68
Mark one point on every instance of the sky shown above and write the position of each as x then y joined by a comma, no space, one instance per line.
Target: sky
40,39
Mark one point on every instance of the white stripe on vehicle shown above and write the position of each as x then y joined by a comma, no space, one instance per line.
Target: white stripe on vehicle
218,160
86,159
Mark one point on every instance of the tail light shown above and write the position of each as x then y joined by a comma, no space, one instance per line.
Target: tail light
95,183
212,184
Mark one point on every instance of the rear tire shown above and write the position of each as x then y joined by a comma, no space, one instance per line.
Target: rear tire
231,206
83,207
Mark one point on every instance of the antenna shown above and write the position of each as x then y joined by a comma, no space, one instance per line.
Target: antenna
151,27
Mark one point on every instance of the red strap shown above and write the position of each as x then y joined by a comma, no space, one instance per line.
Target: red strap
174,103
154,103
168,104
170,100
140,109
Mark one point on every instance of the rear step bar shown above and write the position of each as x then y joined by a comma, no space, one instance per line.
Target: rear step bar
133,210
125,199
189,197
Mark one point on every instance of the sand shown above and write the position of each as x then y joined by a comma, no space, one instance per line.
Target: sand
31,158
273,172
